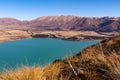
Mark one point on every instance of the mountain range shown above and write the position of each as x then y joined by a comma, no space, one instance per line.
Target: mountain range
64,23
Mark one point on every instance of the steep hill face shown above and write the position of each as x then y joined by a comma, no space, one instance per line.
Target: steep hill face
105,24
69,23
65,23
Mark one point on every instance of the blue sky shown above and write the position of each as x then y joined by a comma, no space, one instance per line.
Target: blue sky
30,9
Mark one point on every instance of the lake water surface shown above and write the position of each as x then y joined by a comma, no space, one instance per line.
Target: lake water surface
38,51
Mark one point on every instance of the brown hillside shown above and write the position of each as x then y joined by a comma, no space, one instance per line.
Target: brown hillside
63,23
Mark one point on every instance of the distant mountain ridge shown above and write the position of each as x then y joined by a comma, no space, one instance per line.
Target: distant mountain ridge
63,23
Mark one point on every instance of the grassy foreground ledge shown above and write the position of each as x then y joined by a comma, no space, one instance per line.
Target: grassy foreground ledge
97,62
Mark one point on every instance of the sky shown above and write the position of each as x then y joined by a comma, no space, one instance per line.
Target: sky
31,9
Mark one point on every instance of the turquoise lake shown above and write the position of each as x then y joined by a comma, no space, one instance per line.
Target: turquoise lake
39,51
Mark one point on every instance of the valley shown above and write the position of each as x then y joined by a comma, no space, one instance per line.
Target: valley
60,27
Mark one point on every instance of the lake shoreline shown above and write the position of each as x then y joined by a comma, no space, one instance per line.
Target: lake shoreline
90,56
63,35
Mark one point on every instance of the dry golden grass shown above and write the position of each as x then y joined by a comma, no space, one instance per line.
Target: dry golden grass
24,73
87,67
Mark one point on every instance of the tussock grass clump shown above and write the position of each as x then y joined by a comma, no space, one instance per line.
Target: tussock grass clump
87,67
23,73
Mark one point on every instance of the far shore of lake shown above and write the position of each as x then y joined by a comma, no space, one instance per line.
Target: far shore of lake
12,35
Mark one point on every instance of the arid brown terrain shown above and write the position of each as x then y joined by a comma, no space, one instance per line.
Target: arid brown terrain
61,27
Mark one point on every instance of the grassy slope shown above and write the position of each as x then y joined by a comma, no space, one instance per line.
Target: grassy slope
97,62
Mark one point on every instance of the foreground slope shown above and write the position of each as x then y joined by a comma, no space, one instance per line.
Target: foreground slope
97,62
